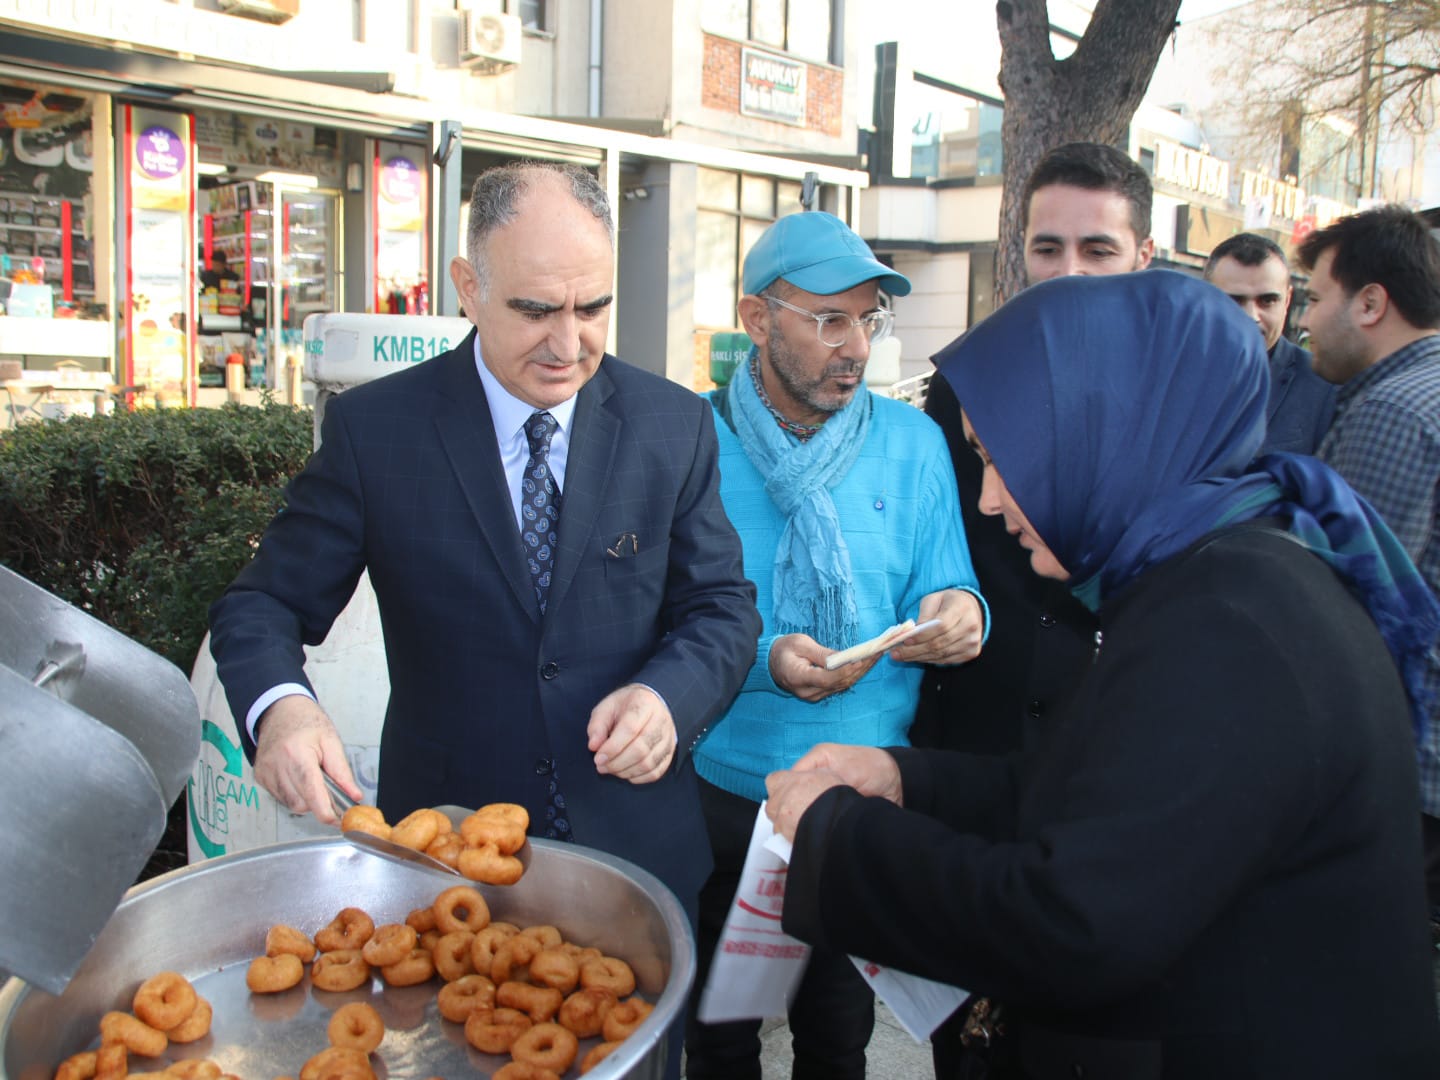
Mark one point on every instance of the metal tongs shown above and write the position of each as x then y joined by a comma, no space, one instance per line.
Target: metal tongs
389,849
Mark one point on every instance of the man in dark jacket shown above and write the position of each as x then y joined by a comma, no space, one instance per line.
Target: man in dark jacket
1252,271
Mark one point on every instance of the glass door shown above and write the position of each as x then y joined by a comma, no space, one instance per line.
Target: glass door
308,271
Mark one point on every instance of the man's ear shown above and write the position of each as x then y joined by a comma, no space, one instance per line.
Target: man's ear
467,285
1371,303
755,316
1145,253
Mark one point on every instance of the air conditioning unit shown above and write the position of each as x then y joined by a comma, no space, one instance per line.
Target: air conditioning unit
489,42
272,11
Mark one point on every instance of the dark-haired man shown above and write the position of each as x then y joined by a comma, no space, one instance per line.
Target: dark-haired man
1086,210
1252,271
1373,312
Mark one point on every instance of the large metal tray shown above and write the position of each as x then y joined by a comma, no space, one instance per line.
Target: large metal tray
209,920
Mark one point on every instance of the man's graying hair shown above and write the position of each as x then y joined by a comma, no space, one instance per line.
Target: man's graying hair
497,191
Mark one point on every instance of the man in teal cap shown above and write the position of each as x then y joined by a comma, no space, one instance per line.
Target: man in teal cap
847,511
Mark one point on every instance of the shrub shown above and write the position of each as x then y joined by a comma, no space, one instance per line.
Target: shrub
142,518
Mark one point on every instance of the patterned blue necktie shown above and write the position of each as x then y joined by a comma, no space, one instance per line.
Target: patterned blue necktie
539,505
540,518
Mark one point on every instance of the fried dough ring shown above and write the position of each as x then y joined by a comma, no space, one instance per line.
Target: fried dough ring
389,944
482,949
281,939
112,1062
196,1025
447,848
356,1025
192,1069
342,969
335,1062
79,1066
549,1046
419,829
350,929
523,1070
138,1036
422,919
540,1003
452,955
608,973
492,1031
512,959
548,936
415,969
458,999
486,864
624,1018
366,819
501,824
556,968
597,1054
272,974
164,1000
461,907
584,1012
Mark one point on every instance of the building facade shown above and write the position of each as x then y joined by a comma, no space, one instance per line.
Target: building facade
141,139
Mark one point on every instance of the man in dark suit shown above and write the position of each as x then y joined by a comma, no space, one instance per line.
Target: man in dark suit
567,667
1252,271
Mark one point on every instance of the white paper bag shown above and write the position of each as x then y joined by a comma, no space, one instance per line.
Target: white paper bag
757,966
921,1005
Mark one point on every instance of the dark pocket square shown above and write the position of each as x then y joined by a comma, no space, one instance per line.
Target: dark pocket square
625,545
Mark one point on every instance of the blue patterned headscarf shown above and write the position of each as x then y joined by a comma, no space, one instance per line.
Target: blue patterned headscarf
1124,412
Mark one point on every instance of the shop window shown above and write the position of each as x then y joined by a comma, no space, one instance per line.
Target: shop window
802,27
532,14
951,134
734,209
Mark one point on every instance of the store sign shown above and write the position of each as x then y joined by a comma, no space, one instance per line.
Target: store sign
1284,200
158,211
1191,170
772,87
159,153
400,181
401,204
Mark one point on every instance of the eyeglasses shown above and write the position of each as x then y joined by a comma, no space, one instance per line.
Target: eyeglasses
833,329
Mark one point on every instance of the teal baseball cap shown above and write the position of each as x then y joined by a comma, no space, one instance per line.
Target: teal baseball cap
819,253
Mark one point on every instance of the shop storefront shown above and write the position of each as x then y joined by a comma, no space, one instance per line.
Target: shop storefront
55,209
212,208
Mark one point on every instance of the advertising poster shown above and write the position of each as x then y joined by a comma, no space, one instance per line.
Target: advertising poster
402,203
159,181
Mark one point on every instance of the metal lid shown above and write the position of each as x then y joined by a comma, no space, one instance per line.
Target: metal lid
98,737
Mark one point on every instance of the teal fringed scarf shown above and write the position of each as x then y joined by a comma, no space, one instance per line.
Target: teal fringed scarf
814,593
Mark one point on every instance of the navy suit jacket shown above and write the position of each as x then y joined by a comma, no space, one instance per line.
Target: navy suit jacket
486,695
1301,403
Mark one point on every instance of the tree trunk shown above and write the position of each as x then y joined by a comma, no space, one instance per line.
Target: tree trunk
1090,96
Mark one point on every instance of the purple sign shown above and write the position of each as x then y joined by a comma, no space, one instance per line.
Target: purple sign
400,180
159,153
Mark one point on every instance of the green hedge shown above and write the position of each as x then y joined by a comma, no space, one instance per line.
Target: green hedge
142,518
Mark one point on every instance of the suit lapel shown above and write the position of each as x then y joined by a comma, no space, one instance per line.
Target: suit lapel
468,435
595,432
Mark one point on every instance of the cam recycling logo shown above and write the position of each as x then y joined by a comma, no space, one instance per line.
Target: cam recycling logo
216,783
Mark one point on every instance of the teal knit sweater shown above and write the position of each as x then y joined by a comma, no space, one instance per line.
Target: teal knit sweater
900,514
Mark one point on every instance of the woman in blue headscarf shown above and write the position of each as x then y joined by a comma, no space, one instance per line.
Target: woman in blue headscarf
1212,867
